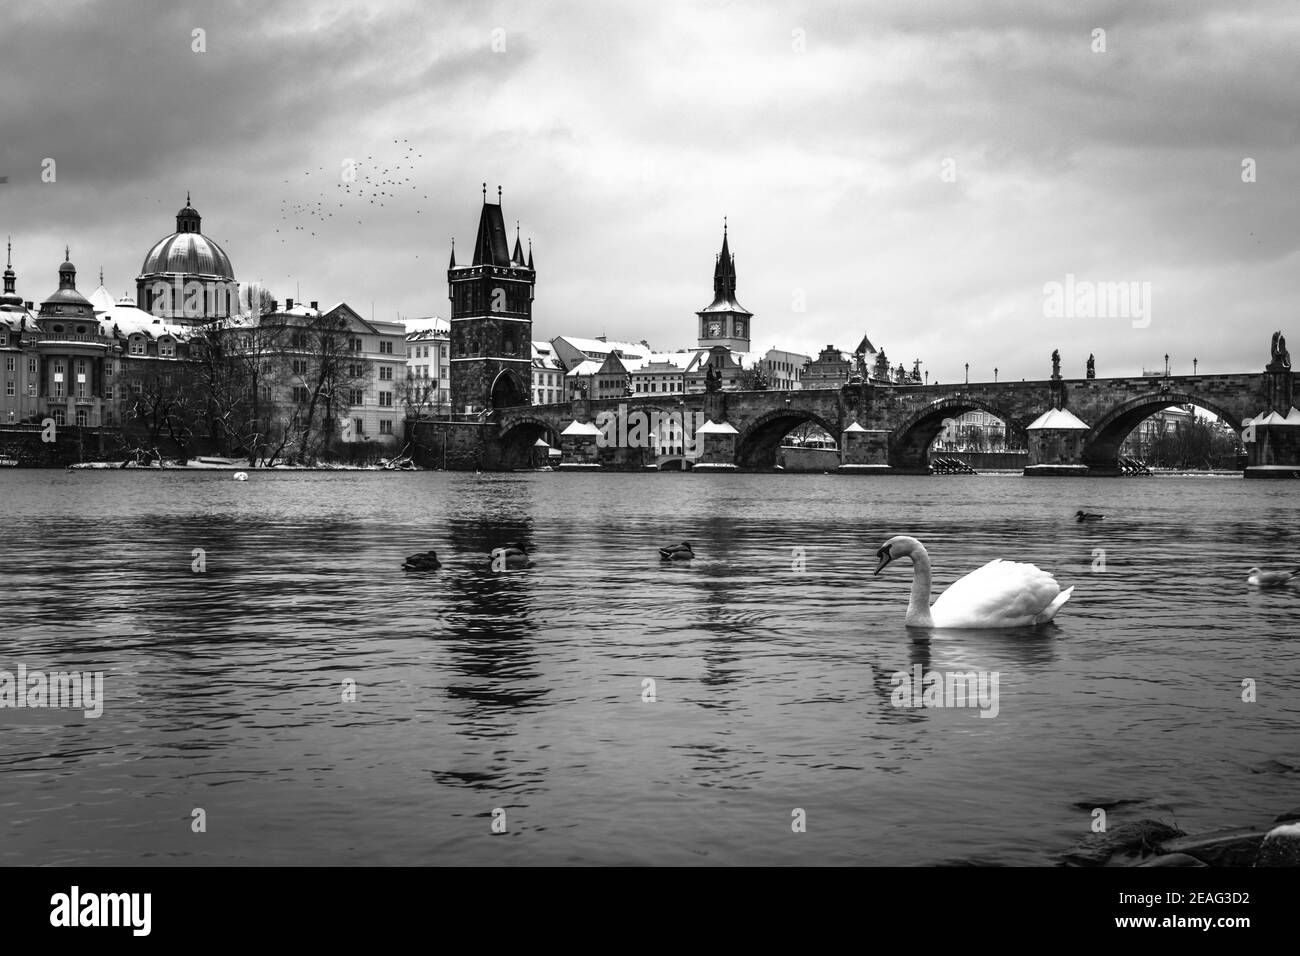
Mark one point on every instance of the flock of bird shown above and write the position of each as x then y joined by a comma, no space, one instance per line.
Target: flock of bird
1000,594
359,189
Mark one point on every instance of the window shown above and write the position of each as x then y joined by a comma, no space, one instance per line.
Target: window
385,426
58,329
31,366
299,366
386,373
108,417
137,345
166,348
355,345
9,363
108,393
81,330
358,426
299,394
4,340
298,340
60,416
385,348
356,371
83,419
31,389
386,399
9,387
266,368
356,396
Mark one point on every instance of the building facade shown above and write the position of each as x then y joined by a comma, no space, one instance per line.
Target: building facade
428,370
831,369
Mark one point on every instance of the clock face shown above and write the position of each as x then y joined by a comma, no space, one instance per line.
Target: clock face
715,330
740,329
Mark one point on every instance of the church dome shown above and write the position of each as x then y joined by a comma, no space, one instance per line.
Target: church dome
187,251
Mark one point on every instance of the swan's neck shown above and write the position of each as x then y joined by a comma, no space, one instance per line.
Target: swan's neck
918,608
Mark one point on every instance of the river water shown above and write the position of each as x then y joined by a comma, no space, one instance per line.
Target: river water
526,692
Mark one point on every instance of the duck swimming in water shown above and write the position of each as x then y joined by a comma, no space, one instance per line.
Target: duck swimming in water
510,557
424,561
1269,579
677,552
1000,594
1087,516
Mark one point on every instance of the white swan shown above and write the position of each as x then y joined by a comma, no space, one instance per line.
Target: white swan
1000,594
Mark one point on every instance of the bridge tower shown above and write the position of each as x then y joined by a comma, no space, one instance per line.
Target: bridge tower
491,318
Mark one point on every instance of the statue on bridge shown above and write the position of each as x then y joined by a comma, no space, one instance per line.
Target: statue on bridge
1092,366
1281,357
1056,363
712,379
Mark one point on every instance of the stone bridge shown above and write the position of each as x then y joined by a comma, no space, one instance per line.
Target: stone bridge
888,428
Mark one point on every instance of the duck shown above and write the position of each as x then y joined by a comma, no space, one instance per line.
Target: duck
1269,579
677,552
510,557
1087,516
999,594
424,561
241,476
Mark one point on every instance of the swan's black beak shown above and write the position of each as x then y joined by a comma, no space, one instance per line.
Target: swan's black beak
885,557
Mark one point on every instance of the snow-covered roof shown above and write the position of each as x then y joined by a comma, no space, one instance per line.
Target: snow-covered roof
1058,418
133,321
428,323
604,348
716,428
589,367
1292,417
855,427
581,428
101,299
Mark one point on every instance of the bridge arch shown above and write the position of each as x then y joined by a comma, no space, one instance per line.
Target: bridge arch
509,390
1101,446
909,443
757,444
519,437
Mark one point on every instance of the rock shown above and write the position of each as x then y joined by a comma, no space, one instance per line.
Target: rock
1131,838
1288,816
1281,847
1222,848
1173,859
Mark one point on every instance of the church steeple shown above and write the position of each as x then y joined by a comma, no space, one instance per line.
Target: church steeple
67,271
517,257
725,321
452,264
10,297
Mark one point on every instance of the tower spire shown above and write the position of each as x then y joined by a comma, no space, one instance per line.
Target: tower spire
187,197
498,194
485,194
101,275
452,265
67,254
9,244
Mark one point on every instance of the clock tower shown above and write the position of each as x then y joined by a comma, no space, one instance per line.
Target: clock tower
491,319
725,321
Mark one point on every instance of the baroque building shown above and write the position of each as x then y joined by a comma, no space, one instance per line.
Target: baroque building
186,277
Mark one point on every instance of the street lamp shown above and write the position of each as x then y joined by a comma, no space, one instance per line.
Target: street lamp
1194,366
995,373
1166,365
968,373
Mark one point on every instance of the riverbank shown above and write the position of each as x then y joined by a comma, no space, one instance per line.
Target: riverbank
1154,843
229,464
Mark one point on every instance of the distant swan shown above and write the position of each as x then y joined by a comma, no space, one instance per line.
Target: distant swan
241,476
677,552
424,561
510,558
1087,516
1269,579
1000,594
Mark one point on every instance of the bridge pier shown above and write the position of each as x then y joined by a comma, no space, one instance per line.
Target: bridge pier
718,447
864,451
578,442
1272,438
1056,445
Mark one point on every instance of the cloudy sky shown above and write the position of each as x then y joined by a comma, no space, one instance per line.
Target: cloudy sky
916,171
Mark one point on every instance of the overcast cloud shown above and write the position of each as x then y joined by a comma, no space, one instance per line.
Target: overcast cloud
623,133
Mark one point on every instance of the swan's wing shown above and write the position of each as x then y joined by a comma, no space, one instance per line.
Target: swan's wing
1000,593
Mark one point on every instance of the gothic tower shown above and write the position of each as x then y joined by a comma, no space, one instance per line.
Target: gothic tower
491,319
725,321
